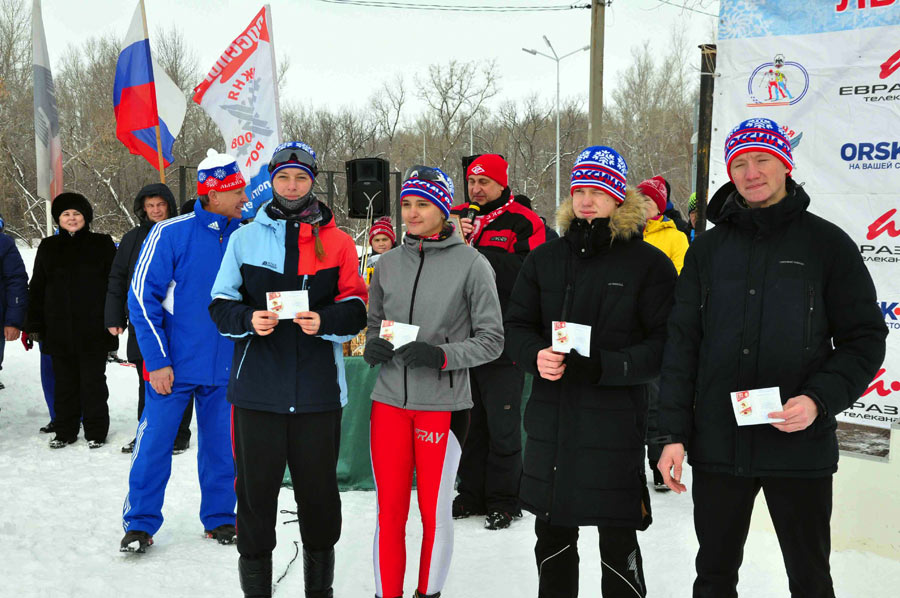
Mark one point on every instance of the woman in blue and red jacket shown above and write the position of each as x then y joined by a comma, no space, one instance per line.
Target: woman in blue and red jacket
287,382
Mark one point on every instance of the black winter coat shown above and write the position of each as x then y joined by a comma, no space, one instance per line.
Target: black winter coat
771,296
67,292
116,311
584,453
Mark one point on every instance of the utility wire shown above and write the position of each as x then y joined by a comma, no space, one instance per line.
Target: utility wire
685,7
455,7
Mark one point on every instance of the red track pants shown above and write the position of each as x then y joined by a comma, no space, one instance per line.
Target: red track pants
429,442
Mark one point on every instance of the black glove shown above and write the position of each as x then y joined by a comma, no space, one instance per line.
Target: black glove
378,351
582,369
418,354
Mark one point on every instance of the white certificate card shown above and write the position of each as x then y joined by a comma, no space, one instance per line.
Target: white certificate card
752,407
287,303
397,333
568,336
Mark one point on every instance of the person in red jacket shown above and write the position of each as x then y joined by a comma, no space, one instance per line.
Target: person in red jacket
504,231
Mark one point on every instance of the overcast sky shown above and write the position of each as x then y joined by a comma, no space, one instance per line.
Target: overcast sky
340,55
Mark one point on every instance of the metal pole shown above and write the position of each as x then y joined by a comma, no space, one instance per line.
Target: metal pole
330,179
557,133
398,224
471,136
704,130
182,185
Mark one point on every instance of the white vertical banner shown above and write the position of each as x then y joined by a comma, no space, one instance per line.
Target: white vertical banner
47,147
240,94
828,72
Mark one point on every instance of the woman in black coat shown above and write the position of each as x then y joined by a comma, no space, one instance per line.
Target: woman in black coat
65,312
586,418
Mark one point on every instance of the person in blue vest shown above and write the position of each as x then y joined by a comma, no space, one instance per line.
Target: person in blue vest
13,291
184,355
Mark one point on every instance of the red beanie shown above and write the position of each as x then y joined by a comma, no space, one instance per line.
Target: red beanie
655,189
492,166
383,226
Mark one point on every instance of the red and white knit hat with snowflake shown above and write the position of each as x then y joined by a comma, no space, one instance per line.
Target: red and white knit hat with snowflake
218,172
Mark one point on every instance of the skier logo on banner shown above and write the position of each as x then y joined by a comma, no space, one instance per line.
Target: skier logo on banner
777,83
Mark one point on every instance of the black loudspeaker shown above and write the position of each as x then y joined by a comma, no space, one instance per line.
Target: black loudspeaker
466,160
368,179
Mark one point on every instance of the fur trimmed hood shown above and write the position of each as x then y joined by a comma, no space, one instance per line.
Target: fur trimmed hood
626,222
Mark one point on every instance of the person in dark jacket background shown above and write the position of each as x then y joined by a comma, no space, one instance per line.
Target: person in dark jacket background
773,296
504,231
153,203
586,418
13,291
65,313
287,385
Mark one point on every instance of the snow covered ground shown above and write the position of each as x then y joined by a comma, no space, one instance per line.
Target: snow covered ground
60,526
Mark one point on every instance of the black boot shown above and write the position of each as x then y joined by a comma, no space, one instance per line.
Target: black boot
256,577
318,573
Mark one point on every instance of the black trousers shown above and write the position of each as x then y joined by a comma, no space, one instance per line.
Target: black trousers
81,395
556,554
308,443
184,428
491,462
801,513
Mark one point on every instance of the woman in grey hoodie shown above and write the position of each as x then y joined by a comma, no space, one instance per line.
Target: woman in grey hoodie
421,399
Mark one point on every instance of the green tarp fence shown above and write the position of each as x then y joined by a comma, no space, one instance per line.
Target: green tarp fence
354,469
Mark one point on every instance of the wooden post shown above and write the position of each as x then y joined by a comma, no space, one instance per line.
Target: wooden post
595,102
162,163
704,130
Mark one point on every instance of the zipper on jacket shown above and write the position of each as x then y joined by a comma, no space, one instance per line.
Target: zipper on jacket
811,294
567,297
704,301
243,357
412,304
450,373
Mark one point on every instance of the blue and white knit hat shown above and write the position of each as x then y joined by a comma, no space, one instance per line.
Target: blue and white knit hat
603,168
430,183
218,172
758,135
294,154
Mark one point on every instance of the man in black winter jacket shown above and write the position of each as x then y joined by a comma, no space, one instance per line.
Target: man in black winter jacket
504,231
773,296
153,203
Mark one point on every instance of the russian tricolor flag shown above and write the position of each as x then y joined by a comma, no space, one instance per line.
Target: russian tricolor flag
144,96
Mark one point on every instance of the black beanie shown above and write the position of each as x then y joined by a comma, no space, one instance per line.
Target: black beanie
72,201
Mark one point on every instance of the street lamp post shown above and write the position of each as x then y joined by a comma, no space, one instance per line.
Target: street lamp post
557,59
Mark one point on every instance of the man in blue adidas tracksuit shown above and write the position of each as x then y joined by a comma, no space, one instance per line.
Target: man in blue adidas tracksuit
185,356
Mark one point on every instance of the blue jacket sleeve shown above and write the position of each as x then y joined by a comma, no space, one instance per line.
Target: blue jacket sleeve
153,275
232,317
15,282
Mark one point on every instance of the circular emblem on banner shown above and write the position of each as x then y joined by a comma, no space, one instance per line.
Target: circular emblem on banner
777,83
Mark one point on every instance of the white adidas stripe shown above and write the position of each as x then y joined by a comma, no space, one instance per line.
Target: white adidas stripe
143,265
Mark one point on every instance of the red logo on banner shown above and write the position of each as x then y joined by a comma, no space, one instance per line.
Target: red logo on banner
881,387
883,224
843,5
889,66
